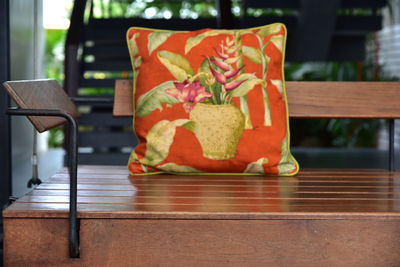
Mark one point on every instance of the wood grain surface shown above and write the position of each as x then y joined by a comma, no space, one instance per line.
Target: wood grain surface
313,99
343,99
109,192
123,98
41,94
166,242
324,217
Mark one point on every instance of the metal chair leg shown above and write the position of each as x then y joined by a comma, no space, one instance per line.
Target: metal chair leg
73,168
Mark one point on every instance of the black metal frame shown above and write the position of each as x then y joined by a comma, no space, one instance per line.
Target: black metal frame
73,165
5,128
391,145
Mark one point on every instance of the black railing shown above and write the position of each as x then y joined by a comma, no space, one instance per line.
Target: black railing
72,164
73,40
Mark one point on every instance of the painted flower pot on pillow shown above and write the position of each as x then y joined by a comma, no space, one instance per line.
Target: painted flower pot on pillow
218,129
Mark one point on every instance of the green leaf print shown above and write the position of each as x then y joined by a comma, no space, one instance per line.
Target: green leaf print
156,39
257,166
177,64
278,84
133,157
152,100
244,105
250,81
270,29
159,140
191,126
277,40
286,164
253,54
204,68
192,42
133,45
245,31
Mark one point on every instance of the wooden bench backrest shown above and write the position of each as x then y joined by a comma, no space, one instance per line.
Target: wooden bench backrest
306,100
358,100
41,94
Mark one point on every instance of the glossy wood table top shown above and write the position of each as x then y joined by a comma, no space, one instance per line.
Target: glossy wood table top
109,192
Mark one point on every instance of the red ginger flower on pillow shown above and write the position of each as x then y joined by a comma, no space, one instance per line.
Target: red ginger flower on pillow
225,65
189,93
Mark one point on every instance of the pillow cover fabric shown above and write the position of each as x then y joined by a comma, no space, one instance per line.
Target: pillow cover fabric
210,101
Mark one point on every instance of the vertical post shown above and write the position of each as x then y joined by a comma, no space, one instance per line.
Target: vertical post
71,70
74,35
224,16
5,140
73,168
304,46
391,145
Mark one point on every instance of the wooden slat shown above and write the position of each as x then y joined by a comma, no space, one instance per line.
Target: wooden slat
226,180
270,210
344,99
188,199
97,169
298,194
123,98
225,189
41,94
358,100
108,192
177,211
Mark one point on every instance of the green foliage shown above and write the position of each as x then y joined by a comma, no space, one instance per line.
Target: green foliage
56,137
55,40
155,9
330,71
54,58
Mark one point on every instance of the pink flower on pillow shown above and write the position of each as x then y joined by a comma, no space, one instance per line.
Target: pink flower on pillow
189,93
225,71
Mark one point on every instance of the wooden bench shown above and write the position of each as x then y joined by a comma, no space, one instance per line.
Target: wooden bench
321,217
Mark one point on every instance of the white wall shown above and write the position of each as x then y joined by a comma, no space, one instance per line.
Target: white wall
389,41
22,67
388,47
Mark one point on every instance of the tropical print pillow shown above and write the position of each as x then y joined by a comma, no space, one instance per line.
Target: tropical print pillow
210,101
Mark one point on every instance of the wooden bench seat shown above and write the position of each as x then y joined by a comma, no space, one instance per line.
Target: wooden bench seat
321,217
111,190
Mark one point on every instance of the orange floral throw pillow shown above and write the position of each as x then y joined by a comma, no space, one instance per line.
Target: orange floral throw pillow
210,101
